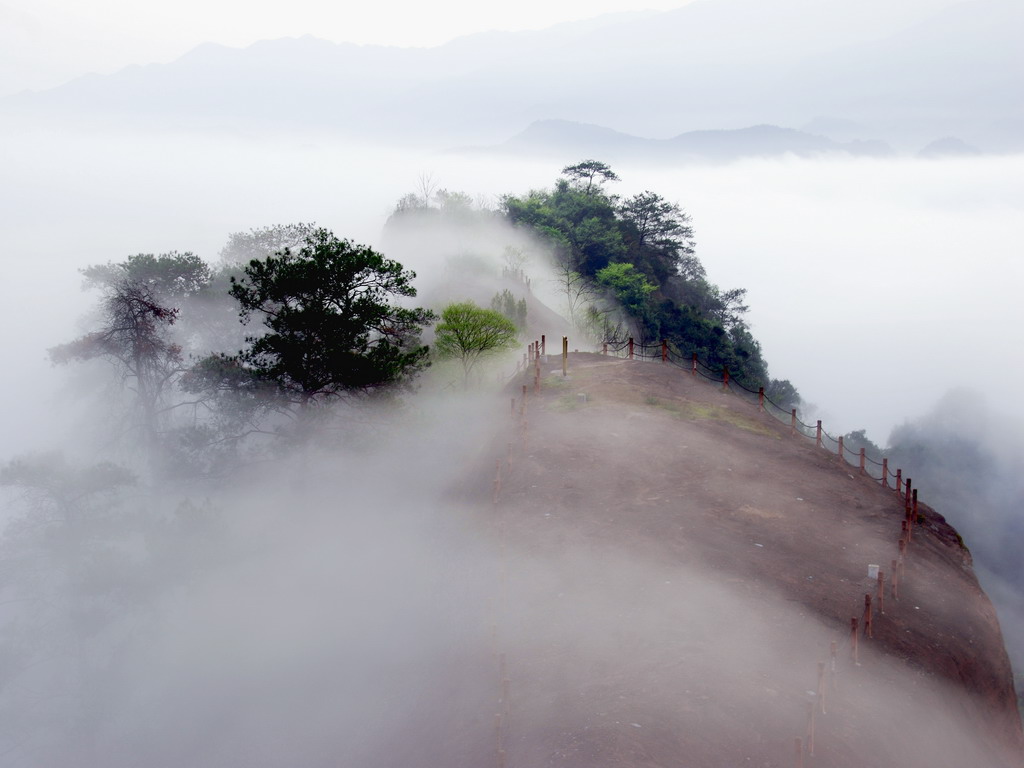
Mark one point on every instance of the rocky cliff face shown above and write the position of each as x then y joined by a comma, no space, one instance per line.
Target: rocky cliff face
678,576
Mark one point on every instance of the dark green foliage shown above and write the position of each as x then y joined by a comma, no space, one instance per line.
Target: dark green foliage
783,394
589,175
641,254
330,326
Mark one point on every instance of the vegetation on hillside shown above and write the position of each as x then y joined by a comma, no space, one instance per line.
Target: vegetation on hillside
628,267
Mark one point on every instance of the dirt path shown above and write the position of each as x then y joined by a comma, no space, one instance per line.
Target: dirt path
676,565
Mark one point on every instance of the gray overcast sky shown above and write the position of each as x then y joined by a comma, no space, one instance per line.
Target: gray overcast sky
46,42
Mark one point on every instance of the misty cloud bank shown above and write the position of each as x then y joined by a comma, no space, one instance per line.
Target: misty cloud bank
320,609
309,609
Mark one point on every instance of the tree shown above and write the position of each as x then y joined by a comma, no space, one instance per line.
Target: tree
589,175
662,231
506,304
330,328
470,333
577,290
243,247
629,286
168,276
135,337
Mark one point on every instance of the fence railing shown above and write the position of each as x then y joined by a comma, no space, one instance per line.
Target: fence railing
891,582
877,468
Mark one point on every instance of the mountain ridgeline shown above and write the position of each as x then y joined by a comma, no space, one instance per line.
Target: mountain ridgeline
623,268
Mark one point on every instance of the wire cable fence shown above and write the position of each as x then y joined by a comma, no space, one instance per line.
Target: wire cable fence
718,373
882,584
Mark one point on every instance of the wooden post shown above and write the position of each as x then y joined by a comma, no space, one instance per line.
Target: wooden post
885,473
833,660
821,687
863,457
908,493
664,351
760,398
868,629
810,728
565,355
694,364
853,641
604,348
894,581
543,345
792,421
881,591
818,439
839,451
725,377
630,347
899,480
915,518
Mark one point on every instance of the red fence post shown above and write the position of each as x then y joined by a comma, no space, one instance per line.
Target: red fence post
915,518
818,439
760,398
664,351
725,377
842,457
792,420
543,345
863,469
885,473
694,363
604,348
899,480
630,347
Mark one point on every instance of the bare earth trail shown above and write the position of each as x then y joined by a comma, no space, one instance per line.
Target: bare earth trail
675,566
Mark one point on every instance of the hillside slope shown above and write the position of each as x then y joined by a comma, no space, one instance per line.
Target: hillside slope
675,569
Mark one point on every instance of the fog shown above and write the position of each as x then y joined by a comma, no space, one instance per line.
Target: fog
874,285
337,607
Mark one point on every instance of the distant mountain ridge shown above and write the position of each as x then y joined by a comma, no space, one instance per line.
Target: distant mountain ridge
567,139
908,74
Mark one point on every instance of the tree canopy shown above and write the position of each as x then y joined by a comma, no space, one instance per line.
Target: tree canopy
330,324
640,254
470,333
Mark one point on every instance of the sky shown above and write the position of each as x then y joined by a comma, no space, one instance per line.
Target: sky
44,43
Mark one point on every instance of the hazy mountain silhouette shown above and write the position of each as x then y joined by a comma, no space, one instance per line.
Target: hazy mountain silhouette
908,75
566,139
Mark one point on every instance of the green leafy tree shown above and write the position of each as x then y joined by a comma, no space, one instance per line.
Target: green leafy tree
330,326
659,232
589,175
629,286
470,333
